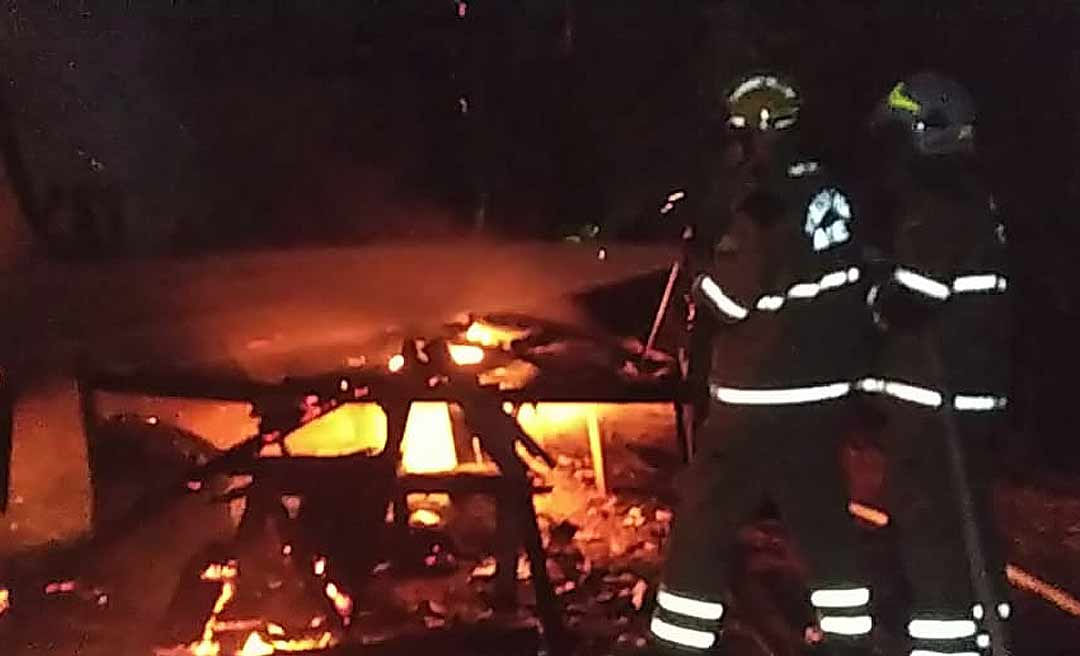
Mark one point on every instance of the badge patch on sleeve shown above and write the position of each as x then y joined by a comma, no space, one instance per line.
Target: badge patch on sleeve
828,219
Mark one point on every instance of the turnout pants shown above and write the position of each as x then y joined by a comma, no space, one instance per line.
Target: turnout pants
786,453
929,514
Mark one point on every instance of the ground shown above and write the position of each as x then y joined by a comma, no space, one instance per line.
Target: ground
605,557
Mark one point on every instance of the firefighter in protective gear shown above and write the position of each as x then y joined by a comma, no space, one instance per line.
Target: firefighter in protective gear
793,336
759,108
943,371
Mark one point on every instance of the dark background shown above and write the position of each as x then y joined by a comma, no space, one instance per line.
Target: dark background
165,126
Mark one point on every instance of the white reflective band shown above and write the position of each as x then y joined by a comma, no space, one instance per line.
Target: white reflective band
932,652
849,598
681,635
979,402
804,290
721,300
676,196
920,283
941,629
834,279
782,123
858,625
770,303
702,610
902,391
785,396
982,641
1004,610
977,611
799,169
983,282
853,274
737,121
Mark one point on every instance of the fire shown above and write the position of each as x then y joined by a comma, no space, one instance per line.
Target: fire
424,517
304,644
255,646
59,586
219,571
466,354
228,591
5,601
486,334
428,445
348,429
343,603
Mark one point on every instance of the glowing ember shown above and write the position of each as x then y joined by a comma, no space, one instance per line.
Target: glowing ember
274,629
286,550
206,648
428,445
57,587
488,335
5,600
466,354
320,566
343,603
220,572
346,430
304,644
255,646
396,363
152,420
424,517
228,591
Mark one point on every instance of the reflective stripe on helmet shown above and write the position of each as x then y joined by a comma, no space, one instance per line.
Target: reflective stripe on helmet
900,100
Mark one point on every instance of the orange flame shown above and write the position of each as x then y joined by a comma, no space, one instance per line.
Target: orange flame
488,335
343,603
5,600
305,644
428,445
255,646
228,591
424,517
466,354
220,571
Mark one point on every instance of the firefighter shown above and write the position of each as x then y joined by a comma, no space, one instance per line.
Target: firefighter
756,113
944,368
792,338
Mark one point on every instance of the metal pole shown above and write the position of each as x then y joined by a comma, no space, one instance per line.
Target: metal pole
662,310
980,575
